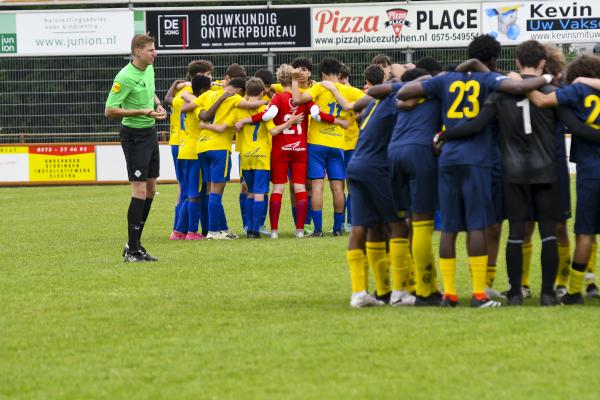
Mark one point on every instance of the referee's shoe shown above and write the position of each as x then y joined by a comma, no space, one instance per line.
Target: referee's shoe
136,256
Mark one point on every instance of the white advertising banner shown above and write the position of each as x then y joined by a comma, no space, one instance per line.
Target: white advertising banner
74,32
394,25
545,21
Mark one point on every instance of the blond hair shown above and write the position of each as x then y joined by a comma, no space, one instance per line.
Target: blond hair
284,74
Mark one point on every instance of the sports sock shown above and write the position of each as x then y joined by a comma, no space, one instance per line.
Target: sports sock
412,275
366,267
564,264
514,265
183,219
274,210
301,209
356,262
147,206
223,219
243,210
576,278
204,212
379,264
549,264
349,209
434,286
399,262
448,271
265,210
308,219
338,221
134,216
294,212
527,253
257,215
591,266
478,269
250,213
176,215
423,255
317,217
490,275
214,212
194,207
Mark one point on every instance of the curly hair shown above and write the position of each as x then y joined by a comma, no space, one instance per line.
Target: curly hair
430,65
413,74
284,74
586,66
555,60
330,66
530,53
302,62
485,48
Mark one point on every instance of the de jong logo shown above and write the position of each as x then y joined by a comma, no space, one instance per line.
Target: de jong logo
173,31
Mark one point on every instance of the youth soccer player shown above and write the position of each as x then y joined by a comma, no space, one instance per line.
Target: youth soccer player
586,102
464,173
326,142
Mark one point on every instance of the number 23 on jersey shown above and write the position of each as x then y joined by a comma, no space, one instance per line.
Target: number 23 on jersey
471,90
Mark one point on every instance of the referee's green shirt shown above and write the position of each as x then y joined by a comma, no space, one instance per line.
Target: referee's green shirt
133,89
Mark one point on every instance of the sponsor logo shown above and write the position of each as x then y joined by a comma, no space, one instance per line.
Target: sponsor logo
334,22
173,31
296,146
397,19
8,43
137,173
506,17
116,87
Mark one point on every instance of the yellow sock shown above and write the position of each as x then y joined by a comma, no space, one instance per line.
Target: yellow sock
412,274
423,256
591,266
366,271
575,281
527,252
379,265
434,286
490,275
399,261
448,271
356,262
478,270
564,264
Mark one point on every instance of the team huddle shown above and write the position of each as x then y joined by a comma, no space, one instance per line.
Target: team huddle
466,141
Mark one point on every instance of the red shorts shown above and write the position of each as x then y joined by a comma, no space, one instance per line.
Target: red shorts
294,164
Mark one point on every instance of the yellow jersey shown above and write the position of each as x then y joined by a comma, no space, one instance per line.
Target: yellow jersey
253,141
175,121
210,140
189,136
351,137
325,134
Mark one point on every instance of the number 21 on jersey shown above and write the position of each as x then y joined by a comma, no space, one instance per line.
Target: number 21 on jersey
290,131
469,88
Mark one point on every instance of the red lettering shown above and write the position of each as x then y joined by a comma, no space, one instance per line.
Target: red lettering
345,24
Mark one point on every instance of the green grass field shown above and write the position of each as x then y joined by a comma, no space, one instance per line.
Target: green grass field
249,319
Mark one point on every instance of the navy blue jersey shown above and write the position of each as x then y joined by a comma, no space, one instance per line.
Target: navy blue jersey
462,95
375,132
586,103
417,126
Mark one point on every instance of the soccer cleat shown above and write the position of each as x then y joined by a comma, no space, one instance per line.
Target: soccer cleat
252,235
572,299
347,227
229,235
514,300
364,300
175,235
560,291
308,229
299,233
436,296
589,278
494,294
526,292
338,233
591,290
147,255
427,301
244,229
264,230
274,234
316,235
402,298
385,298
449,301
135,256
484,302
213,236
549,300
193,236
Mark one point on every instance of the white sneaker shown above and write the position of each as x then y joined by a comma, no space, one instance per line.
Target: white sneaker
494,294
274,234
264,230
213,236
560,291
229,235
589,277
402,298
299,233
526,292
364,299
347,227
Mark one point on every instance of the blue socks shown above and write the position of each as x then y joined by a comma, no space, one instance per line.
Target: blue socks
182,219
338,221
250,213
257,213
243,210
317,217
194,208
309,212
214,211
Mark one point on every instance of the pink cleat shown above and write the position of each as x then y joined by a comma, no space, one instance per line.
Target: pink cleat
175,235
194,236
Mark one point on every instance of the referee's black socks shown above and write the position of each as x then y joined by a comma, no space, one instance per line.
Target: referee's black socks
135,215
147,205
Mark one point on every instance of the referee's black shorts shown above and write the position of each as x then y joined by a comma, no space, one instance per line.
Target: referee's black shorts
140,147
538,201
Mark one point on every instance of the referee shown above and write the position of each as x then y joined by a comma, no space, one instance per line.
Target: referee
132,98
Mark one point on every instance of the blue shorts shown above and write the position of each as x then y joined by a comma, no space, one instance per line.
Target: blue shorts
324,159
498,199
587,211
175,154
372,202
414,178
216,165
347,157
257,180
465,197
191,178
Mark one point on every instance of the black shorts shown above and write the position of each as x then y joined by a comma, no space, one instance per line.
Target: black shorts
140,147
371,201
541,199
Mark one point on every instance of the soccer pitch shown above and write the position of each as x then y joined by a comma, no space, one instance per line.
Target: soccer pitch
250,319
